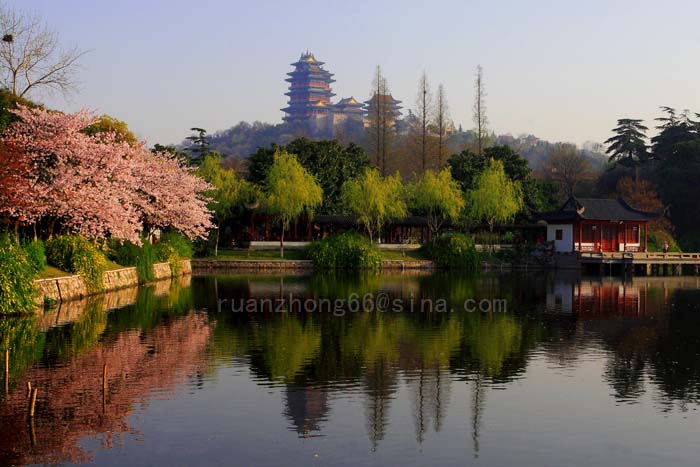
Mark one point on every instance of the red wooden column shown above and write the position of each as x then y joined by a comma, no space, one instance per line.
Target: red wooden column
646,236
624,239
580,234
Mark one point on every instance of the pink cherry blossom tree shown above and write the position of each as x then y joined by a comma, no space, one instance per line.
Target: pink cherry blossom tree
95,185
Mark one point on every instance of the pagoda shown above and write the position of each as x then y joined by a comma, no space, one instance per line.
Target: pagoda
348,109
309,92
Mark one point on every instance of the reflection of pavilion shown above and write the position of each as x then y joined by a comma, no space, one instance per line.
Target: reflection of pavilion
306,407
593,298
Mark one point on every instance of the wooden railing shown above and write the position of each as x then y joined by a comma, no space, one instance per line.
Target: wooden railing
637,256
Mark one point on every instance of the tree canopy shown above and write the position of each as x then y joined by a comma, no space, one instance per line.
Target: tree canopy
496,198
437,196
290,191
374,199
328,161
107,124
628,147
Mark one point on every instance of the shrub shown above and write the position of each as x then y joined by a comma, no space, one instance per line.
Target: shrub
453,251
36,254
75,254
166,253
180,244
142,257
16,278
124,252
345,251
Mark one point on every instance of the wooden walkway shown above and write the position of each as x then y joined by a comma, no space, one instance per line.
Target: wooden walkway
645,263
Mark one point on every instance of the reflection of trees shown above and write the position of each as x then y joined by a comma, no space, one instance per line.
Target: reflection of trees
674,359
287,345
70,403
21,337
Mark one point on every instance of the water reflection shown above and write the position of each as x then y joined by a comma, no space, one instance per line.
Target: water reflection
444,368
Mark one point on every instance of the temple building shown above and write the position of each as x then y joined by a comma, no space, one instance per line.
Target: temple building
310,107
348,109
309,93
599,225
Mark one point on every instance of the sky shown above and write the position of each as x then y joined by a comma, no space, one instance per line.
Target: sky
561,70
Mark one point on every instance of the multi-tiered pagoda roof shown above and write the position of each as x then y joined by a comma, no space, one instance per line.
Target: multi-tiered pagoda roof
350,106
309,90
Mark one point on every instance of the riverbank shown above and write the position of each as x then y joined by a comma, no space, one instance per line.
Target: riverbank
209,266
73,287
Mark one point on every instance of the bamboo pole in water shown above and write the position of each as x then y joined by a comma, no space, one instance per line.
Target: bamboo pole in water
32,403
104,388
29,389
7,371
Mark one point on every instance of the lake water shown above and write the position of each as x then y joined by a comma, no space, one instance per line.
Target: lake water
540,370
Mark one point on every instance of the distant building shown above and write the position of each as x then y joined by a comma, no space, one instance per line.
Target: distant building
384,106
309,91
310,107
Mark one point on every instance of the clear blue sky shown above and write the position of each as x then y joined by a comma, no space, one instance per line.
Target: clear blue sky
562,70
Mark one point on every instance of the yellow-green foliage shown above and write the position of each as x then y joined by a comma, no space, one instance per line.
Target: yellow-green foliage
492,339
73,253
107,124
289,345
227,189
438,196
374,199
291,190
16,278
496,198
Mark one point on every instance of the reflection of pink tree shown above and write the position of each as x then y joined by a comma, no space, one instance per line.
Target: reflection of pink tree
70,403
95,185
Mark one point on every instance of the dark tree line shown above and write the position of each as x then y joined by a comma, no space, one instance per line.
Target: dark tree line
670,160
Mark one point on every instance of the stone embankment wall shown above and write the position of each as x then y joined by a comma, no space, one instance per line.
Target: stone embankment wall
62,289
210,266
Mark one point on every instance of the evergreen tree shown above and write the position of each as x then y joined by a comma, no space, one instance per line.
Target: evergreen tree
628,147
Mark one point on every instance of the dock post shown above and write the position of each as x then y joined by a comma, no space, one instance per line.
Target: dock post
649,269
696,269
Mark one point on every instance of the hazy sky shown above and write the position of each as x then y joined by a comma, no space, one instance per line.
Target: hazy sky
561,70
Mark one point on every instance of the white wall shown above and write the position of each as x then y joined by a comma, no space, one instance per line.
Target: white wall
565,245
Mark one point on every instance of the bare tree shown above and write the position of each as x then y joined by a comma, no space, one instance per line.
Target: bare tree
441,121
381,119
423,110
30,57
480,120
568,167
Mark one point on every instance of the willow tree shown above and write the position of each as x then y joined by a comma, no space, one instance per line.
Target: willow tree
439,197
226,191
374,200
291,192
496,198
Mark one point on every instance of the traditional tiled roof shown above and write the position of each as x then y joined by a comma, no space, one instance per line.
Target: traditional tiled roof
596,209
